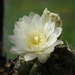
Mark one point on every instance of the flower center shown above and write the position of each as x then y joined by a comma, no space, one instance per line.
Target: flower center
36,40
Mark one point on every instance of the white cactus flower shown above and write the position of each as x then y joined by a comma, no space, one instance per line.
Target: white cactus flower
36,36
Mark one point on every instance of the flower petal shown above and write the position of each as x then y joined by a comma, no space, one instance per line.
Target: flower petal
19,42
31,15
57,42
55,17
29,56
16,40
12,38
45,16
26,19
16,50
52,39
51,48
54,36
42,58
36,22
49,28
57,31
58,23
20,33
21,25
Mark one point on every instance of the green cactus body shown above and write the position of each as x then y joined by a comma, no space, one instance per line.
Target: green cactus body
60,62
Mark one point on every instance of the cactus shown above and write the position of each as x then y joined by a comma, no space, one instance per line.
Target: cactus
60,62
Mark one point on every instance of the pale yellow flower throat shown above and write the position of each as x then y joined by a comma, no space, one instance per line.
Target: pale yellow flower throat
36,40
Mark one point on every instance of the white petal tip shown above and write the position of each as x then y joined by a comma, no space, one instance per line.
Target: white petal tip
42,58
29,56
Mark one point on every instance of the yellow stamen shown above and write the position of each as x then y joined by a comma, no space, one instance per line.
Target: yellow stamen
36,40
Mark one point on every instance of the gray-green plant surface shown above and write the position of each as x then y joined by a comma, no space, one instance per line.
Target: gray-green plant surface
15,9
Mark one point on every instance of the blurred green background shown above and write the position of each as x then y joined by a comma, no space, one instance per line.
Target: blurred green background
15,9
